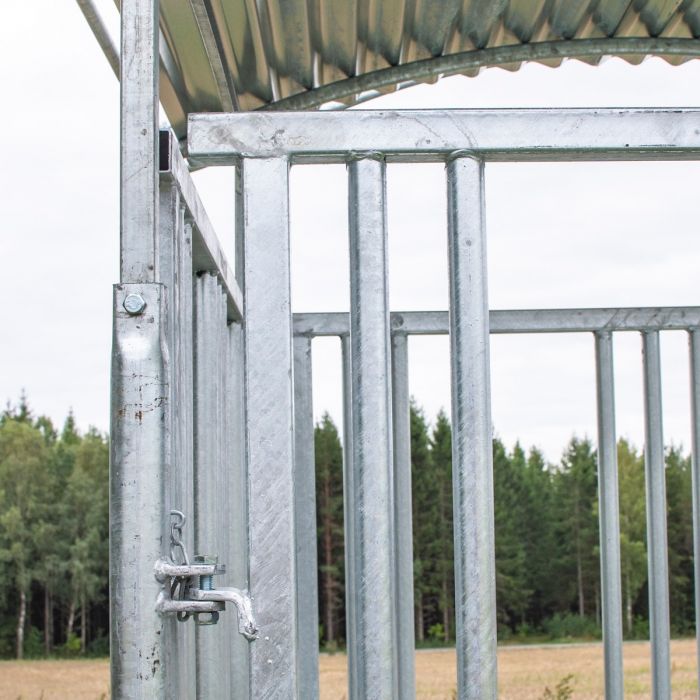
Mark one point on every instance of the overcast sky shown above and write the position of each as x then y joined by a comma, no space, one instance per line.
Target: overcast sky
560,235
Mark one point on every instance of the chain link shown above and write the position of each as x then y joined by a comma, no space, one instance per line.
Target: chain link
178,585
176,537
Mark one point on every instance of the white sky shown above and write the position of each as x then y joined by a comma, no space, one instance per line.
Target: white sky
560,235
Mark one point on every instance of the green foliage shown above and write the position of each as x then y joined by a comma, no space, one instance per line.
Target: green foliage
99,647
53,531
329,519
54,538
436,632
33,644
571,626
71,647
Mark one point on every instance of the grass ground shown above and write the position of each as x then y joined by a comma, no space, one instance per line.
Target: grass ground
524,673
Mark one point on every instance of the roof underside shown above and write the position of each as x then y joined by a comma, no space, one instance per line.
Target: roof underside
227,55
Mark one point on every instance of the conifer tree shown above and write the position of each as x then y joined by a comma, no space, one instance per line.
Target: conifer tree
578,524
633,553
329,518
443,545
424,496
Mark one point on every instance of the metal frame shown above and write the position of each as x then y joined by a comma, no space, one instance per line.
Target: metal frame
203,410
602,323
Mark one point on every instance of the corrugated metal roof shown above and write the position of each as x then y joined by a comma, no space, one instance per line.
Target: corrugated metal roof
223,55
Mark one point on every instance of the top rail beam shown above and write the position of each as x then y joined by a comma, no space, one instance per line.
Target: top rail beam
431,135
207,254
667,318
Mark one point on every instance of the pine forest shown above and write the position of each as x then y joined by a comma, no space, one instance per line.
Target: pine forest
54,538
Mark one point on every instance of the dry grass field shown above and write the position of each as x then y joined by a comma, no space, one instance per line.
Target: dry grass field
524,674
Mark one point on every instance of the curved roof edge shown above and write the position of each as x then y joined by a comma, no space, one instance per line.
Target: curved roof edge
453,64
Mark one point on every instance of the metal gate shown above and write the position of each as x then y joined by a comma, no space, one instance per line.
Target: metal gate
212,413
603,323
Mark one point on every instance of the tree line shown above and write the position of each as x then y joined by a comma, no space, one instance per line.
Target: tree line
53,536
547,537
54,527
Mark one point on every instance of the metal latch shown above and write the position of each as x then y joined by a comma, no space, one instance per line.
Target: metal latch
188,589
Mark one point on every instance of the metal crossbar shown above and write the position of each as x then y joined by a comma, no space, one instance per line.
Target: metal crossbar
658,318
514,135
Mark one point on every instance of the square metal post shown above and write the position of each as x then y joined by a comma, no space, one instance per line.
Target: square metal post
403,527
349,518
694,341
141,431
305,496
270,426
212,468
139,453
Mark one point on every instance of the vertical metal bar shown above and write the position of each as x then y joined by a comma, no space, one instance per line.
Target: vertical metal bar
472,457
608,501
240,657
174,261
213,655
655,471
270,427
372,454
694,338
349,520
139,140
138,523
237,510
404,516
185,369
169,225
305,497
140,402
229,629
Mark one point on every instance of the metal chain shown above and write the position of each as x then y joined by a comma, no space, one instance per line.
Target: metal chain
178,586
176,537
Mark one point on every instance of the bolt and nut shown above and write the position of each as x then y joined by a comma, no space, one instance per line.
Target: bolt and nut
134,304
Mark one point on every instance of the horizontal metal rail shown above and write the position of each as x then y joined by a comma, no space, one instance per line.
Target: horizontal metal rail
432,135
657,318
207,255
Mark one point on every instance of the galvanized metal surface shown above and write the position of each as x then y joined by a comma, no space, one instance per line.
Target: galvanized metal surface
608,500
472,458
403,518
213,649
374,627
269,427
174,265
349,510
228,55
657,541
207,254
305,509
518,321
694,342
237,505
138,525
139,141
432,135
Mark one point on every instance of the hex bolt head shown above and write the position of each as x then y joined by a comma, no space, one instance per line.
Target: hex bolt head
134,304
